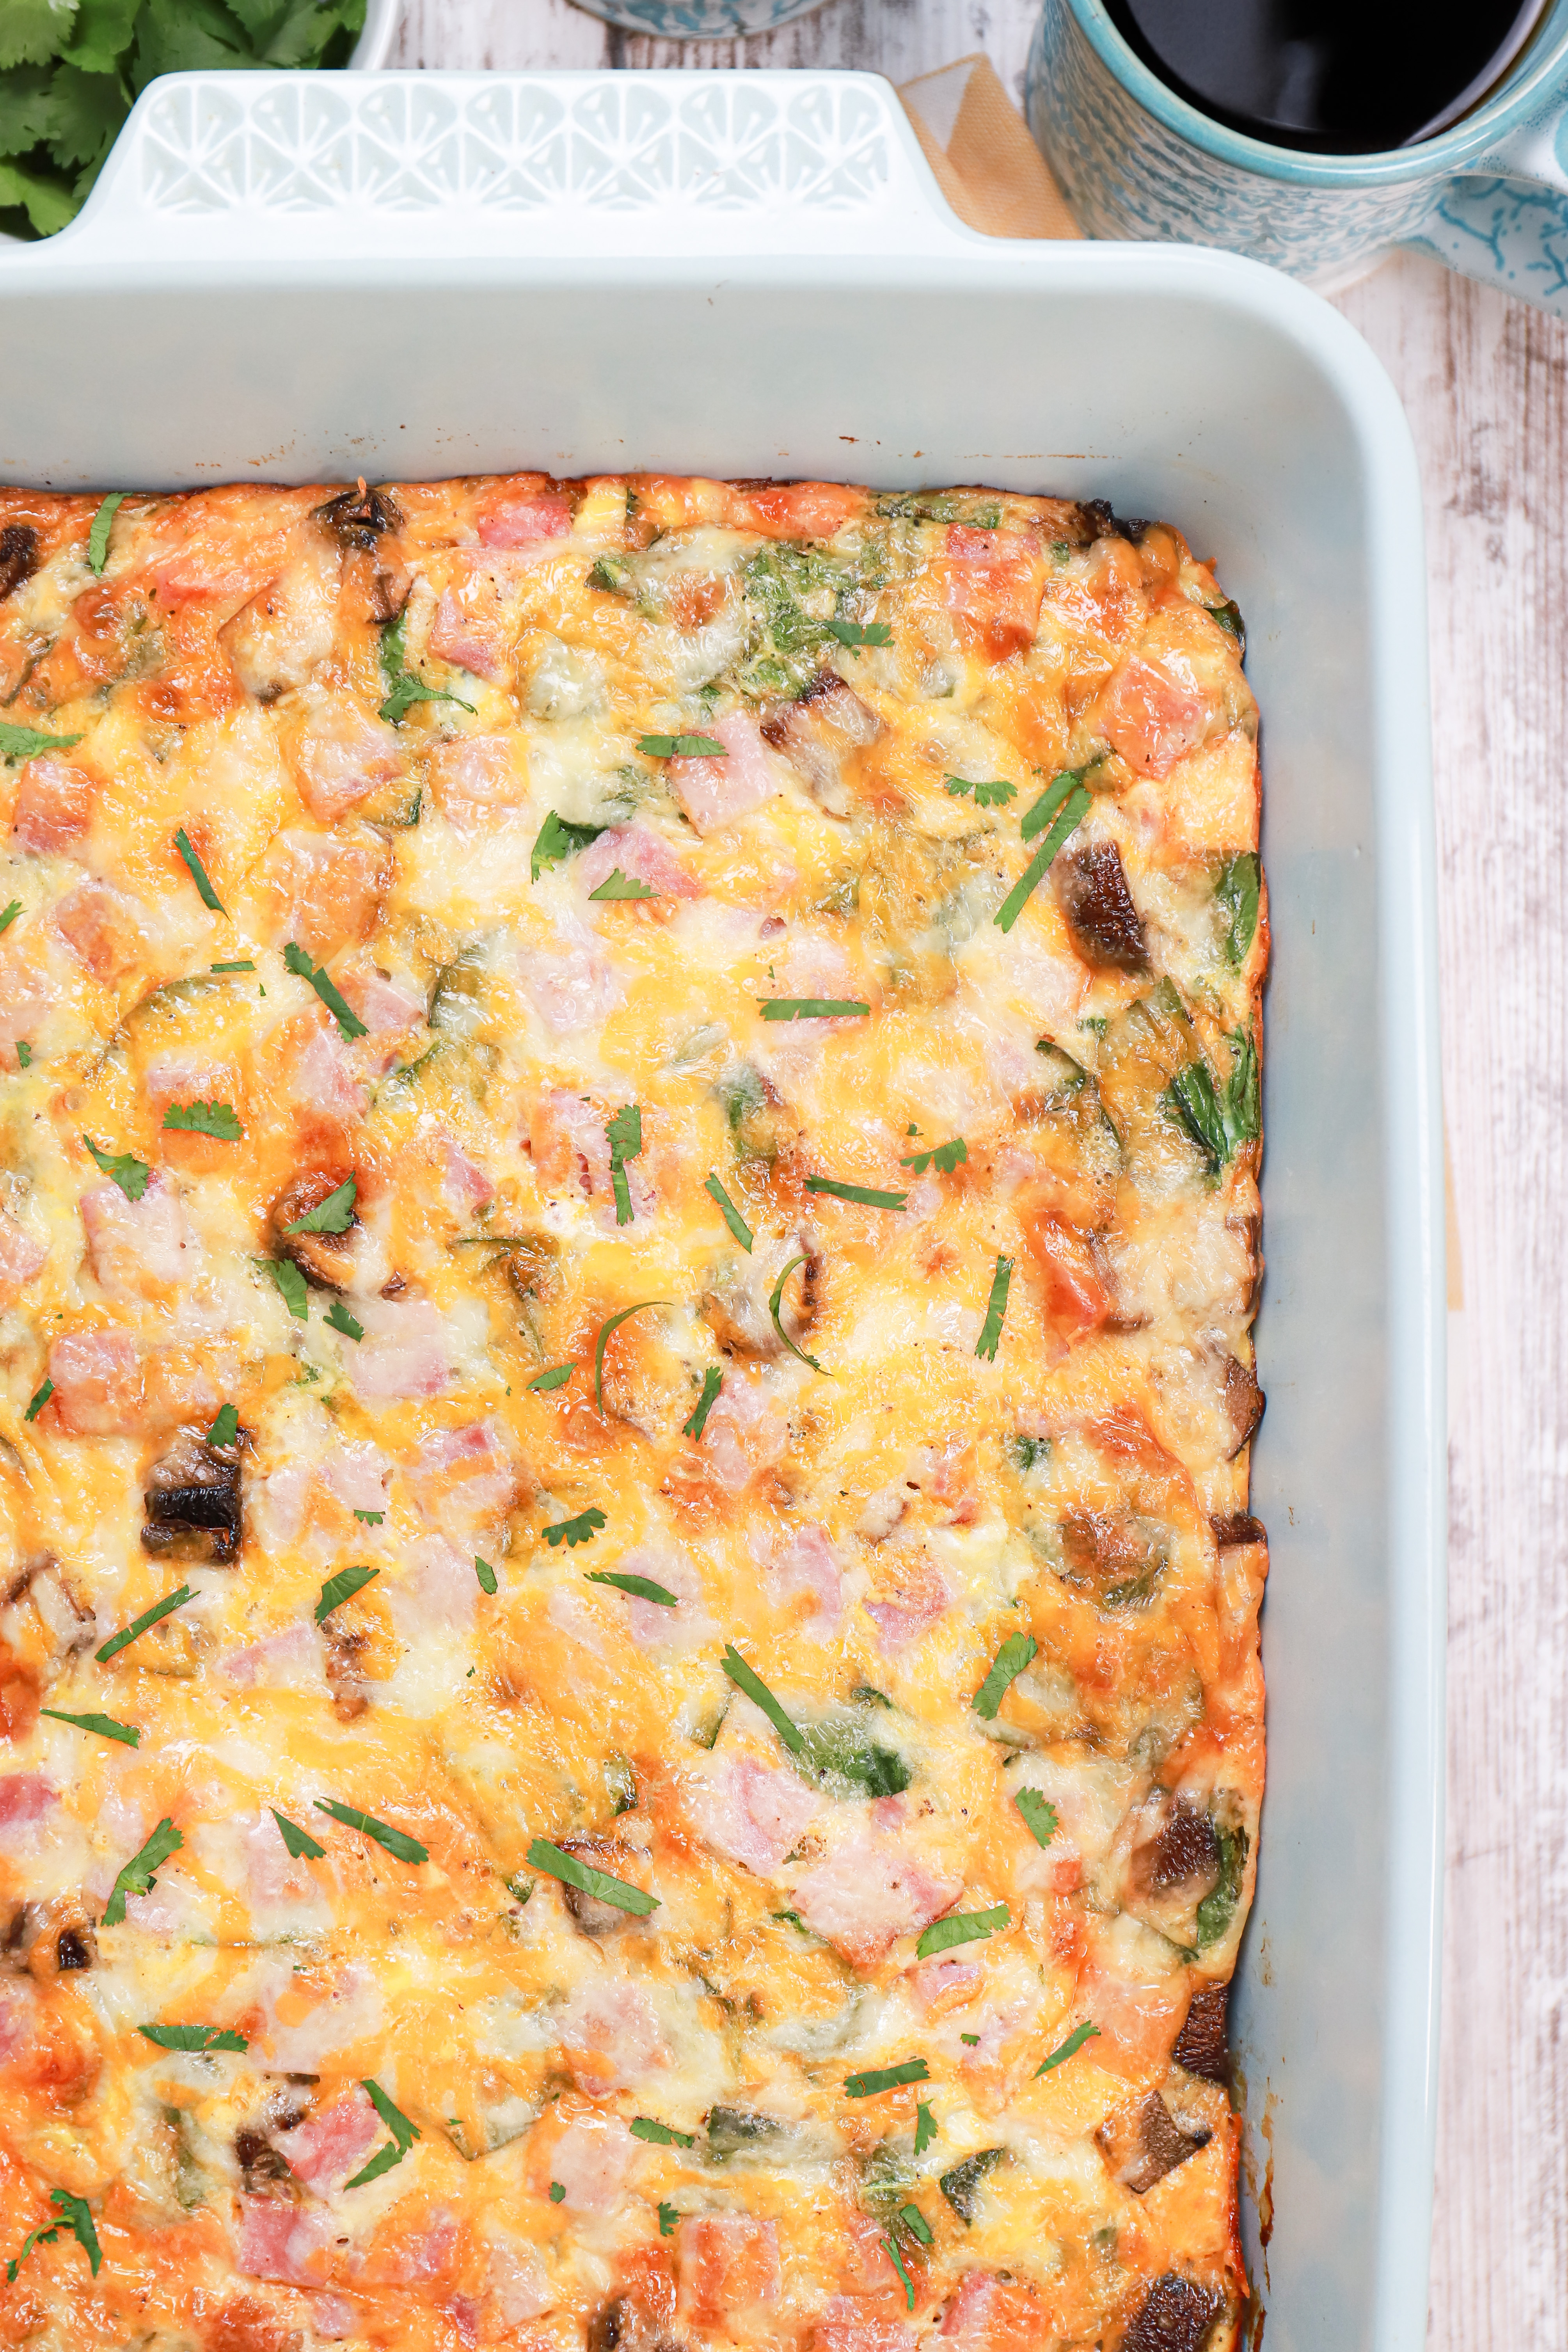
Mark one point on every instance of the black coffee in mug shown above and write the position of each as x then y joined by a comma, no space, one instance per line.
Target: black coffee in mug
1338,76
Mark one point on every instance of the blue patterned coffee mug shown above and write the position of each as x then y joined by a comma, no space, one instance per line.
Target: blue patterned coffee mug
698,20
1488,197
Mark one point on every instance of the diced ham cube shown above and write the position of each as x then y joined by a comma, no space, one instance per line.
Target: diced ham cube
140,1249
327,888
1079,1297
590,2160
847,2325
417,2253
642,857
339,755
805,1566
325,2148
290,1659
801,509
319,1078
750,1813
1139,2019
405,1351
26,998
357,1472
277,641
462,1479
571,1152
469,640
994,2314
994,583
729,2265
21,1257
102,928
96,1378
186,1078
650,1624
27,1803
54,804
573,985
439,1594
715,793
463,1181
917,1596
515,2284
611,2037
867,1893
278,2241
472,777
947,1983
747,1431
520,517
1154,714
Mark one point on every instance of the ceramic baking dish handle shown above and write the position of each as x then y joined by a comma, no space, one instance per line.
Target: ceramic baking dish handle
264,167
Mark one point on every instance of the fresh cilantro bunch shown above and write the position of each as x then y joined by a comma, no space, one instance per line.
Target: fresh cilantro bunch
71,69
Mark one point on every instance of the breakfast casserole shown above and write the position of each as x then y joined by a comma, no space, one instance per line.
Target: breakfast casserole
628,1237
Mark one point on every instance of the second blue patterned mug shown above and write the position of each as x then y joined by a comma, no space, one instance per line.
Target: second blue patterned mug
1489,195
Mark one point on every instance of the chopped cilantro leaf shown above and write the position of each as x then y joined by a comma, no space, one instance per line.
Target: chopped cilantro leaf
990,1338
24,1055
972,2040
617,885
961,1928
139,1874
555,1864
27,742
944,1157
602,1343
1039,1814
74,2216
1070,812
745,1679
194,2037
332,1215
992,796
291,1283
405,687
198,872
811,1008
557,840
340,1588
668,2218
239,963
580,1530
218,1119
776,1304
890,2250
103,524
850,634
10,914
659,2135
339,1319
122,1167
915,2222
696,1421
370,1518
396,1842
343,1013
866,1197
624,1134
225,1428
485,1573
39,1400
299,1843
1010,1659
731,1214
886,2078
641,1588
557,2192
104,1725
925,2127
682,747
404,2135
555,1378
139,1626
1064,2050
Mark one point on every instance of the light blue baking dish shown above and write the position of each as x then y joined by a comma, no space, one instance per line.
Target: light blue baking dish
295,277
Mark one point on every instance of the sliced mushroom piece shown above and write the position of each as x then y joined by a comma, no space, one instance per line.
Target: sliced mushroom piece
1114,1555
18,557
325,1259
818,734
1203,2045
193,1499
75,1947
1177,2315
624,2324
1097,906
260,2162
346,1672
1237,1527
1142,2146
360,518
1244,1401
1183,1853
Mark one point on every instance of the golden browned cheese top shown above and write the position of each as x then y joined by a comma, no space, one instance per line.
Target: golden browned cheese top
629,1710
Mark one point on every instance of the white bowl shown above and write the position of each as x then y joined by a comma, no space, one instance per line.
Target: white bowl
373,45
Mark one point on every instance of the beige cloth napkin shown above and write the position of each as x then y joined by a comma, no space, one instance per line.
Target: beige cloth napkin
995,178
977,143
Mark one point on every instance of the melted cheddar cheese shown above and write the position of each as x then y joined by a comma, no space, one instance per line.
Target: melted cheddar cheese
629,1177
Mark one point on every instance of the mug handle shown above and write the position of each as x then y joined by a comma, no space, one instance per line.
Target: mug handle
1506,223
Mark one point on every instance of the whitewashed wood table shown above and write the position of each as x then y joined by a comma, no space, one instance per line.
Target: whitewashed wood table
1485,380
